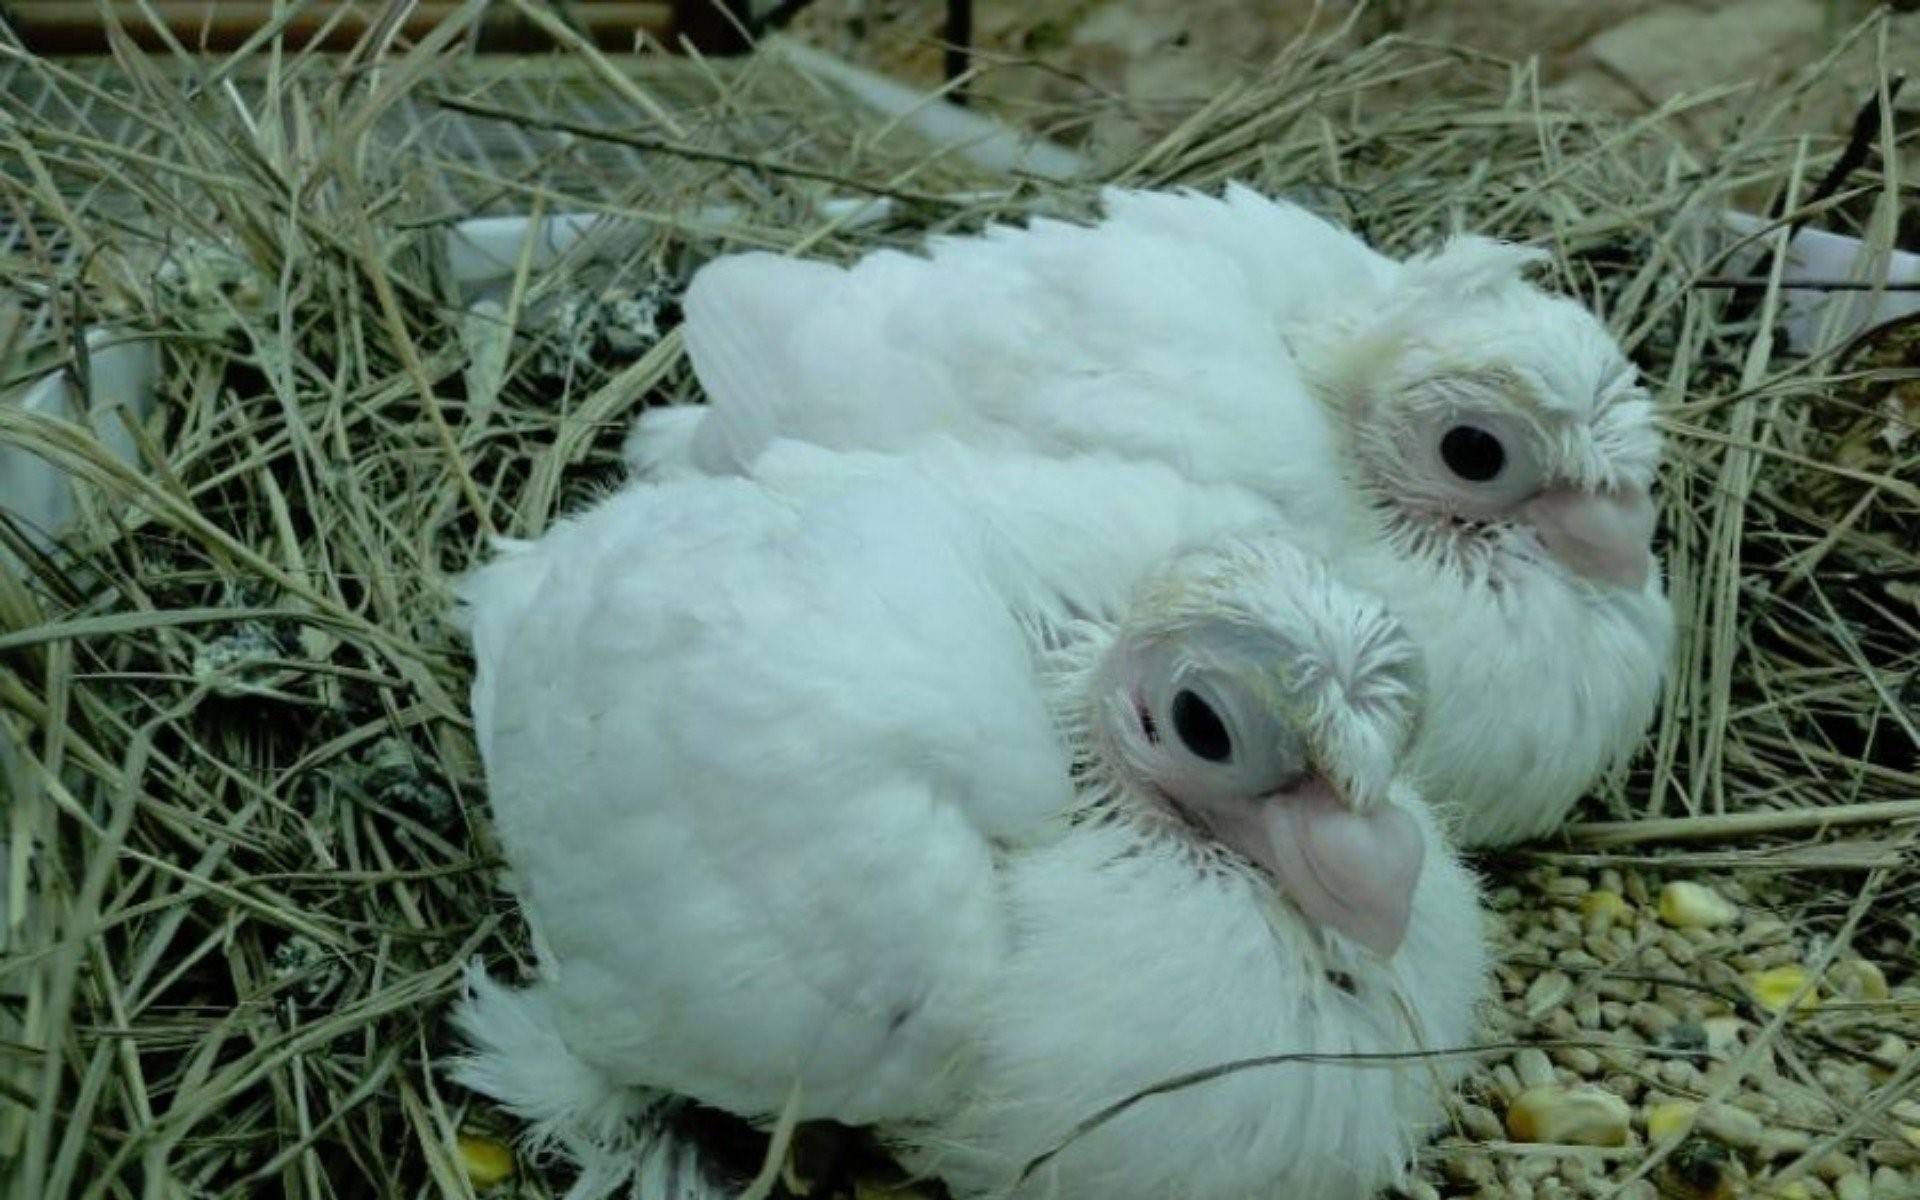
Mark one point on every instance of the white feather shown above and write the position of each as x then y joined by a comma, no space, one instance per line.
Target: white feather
783,776
1243,342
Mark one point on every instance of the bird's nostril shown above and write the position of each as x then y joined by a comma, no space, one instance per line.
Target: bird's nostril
1148,725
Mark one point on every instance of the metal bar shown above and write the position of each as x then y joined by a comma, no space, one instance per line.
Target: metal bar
80,26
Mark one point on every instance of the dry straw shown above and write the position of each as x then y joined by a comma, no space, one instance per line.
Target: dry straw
246,838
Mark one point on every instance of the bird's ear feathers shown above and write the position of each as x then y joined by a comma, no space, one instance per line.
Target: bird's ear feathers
1471,263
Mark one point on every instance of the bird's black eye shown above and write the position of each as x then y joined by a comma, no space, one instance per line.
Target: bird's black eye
1472,453
1200,728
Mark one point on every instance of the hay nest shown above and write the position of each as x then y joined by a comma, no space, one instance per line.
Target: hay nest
247,850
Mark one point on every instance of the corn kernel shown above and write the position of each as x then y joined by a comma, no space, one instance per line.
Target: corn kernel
1603,906
1773,989
1686,905
1671,1117
1581,1116
486,1161
1860,978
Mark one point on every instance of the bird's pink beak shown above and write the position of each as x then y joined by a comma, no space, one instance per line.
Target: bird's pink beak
1603,536
1351,871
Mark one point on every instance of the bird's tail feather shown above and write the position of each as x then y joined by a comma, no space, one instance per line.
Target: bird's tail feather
617,1136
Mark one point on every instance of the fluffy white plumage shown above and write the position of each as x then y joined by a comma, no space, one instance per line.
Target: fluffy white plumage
1243,341
784,779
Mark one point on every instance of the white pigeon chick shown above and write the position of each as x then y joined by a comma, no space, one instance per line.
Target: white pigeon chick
1248,875
1466,445
769,758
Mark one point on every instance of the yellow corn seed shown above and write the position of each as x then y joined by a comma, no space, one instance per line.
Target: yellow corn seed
1668,1118
1774,989
1601,905
486,1161
1860,978
1581,1116
1686,905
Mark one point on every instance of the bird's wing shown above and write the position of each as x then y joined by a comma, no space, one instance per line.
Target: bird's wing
1057,538
749,760
1159,333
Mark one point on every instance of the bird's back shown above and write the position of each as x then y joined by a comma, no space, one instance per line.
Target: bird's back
1160,333
748,757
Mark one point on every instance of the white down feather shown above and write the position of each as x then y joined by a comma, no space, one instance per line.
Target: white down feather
1239,341
783,780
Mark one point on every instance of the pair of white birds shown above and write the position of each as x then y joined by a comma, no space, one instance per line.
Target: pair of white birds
1034,676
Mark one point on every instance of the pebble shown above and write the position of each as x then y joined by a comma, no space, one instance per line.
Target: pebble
1686,905
1570,886
1581,1116
1889,1184
1853,1186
